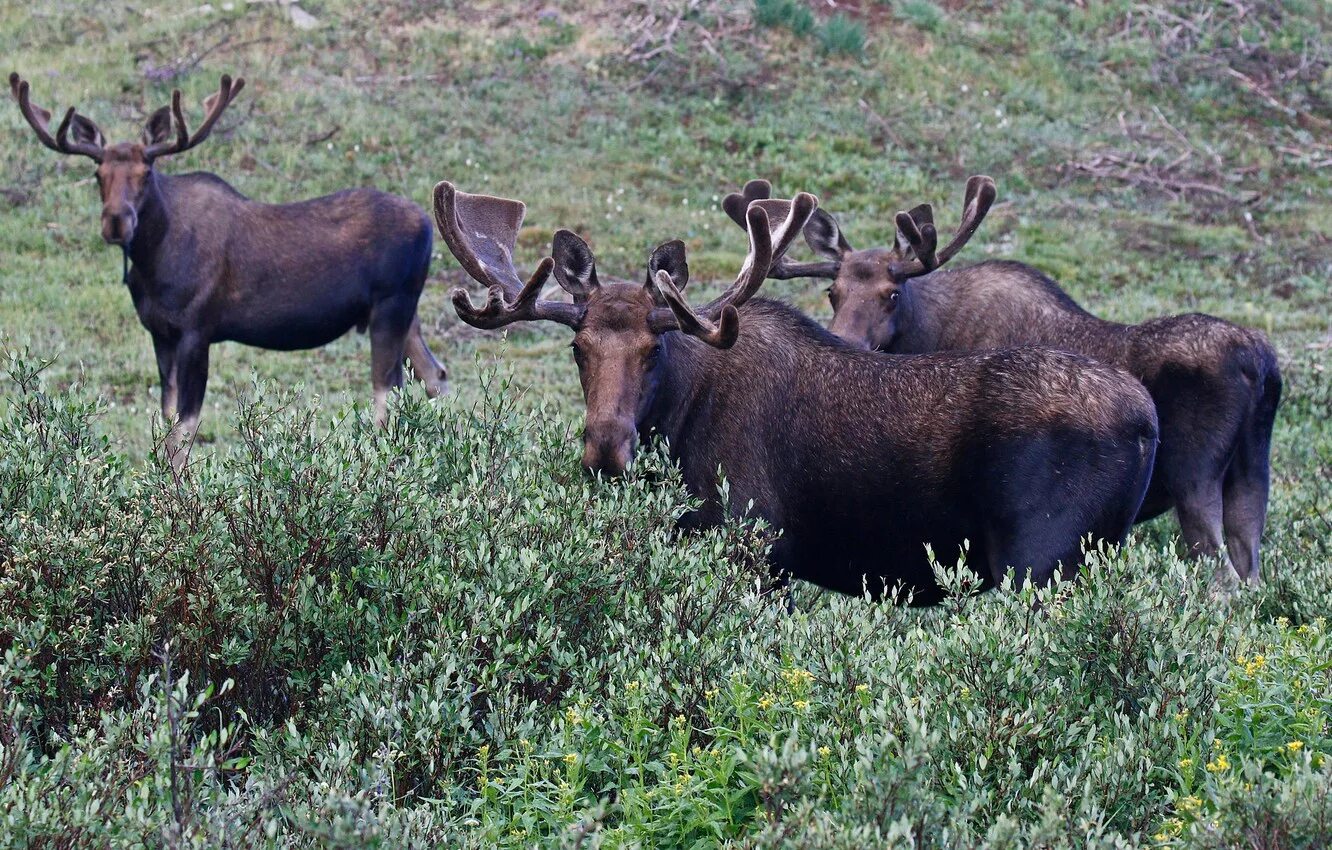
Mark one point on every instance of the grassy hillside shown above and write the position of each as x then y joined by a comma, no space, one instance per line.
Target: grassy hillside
1154,159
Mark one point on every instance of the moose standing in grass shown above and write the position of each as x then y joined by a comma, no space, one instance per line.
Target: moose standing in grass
1215,385
205,264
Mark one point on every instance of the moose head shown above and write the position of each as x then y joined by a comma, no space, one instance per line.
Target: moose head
867,284
124,170
622,329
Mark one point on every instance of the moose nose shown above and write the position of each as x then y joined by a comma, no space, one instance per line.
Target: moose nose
608,450
118,228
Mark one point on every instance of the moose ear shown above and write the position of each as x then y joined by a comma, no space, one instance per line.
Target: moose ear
158,129
85,132
824,236
670,258
575,267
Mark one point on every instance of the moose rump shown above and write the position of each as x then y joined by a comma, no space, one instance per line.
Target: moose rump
864,459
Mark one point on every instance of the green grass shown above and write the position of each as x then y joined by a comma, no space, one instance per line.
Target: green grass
562,111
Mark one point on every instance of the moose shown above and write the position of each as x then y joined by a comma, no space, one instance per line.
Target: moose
205,264
1216,386
860,459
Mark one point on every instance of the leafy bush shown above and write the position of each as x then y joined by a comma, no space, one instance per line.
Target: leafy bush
443,634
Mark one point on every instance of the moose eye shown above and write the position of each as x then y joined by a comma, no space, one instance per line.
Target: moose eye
892,298
653,354
577,351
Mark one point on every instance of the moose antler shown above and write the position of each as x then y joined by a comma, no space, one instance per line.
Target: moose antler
40,121
760,191
482,232
917,229
722,334
717,321
214,106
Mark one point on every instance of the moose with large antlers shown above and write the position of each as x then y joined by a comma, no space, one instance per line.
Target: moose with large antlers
1216,386
205,264
860,459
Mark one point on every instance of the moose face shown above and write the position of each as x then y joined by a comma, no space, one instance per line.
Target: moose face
124,170
621,329
618,354
122,179
864,298
866,292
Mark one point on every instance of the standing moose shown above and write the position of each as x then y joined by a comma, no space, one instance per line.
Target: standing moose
860,459
1216,385
205,264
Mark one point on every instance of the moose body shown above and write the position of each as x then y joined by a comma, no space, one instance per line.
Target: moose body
206,264
861,459
1215,385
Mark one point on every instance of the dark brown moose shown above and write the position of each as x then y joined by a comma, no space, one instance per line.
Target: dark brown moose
861,459
207,264
1216,385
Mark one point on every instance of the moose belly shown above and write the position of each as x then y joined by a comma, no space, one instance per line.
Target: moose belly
292,325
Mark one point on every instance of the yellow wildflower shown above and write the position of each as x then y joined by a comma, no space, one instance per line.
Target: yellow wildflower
1218,764
570,758
1295,746
574,718
966,692
801,704
1190,804
1181,716
861,688
766,701
824,752
1185,764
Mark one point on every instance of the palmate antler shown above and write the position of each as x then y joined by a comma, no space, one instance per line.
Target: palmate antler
39,119
760,191
482,231
214,106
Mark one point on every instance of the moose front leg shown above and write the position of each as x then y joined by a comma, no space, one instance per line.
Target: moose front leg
191,378
165,349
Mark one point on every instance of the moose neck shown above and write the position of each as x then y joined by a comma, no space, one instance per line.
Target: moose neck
153,224
677,382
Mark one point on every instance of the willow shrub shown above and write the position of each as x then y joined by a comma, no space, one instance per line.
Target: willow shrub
443,634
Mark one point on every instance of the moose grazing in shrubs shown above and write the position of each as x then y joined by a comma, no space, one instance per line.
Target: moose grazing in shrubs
1215,385
205,264
861,459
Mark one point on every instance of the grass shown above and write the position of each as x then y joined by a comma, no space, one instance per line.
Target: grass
558,109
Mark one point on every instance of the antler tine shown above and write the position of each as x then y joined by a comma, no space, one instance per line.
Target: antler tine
755,268
525,306
721,334
790,212
979,198
214,106
917,228
40,121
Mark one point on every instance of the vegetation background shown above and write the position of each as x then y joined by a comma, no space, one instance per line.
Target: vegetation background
442,635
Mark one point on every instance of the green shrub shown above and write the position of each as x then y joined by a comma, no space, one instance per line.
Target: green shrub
443,634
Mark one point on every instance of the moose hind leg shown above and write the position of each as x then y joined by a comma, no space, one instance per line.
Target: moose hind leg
423,361
1199,508
1244,503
